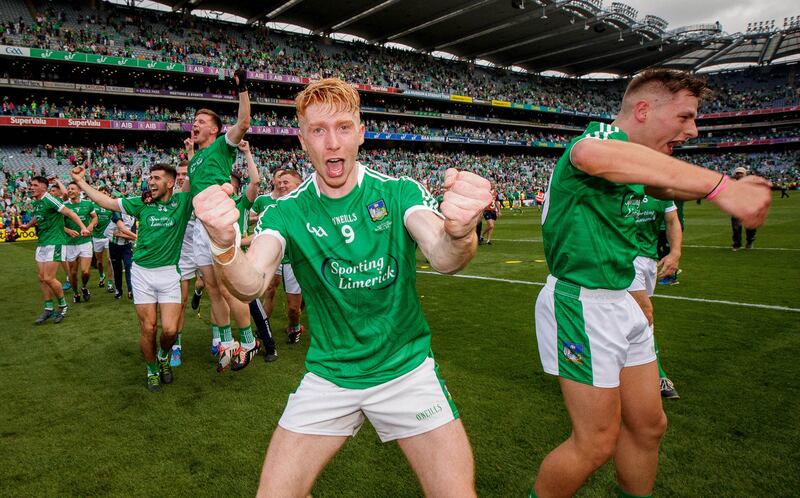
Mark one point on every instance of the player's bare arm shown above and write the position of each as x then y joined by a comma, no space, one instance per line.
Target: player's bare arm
252,171
625,162
450,243
669,263
95,195
244,274
237,131
67,212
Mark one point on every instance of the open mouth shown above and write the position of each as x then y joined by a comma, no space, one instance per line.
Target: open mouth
335,167
195,132
671,145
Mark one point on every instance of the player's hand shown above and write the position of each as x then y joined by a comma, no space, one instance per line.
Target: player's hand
217,211
85,232
72,233
747,199
465,197
240,78
77,173
188,144
668,265
244,146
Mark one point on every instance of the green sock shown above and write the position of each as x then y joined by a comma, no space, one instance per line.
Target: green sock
48,305
162,355
152,368
225,333
295,328
62,302
661,372
246,335
215,332
178,341
622,494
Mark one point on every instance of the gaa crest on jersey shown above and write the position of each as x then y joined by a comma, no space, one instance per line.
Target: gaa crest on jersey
573,352
377,210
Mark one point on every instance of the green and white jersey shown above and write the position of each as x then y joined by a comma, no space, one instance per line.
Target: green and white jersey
261,203
356,263
588,223
83,209
243,205
103,219
649,220
49,220
161,228
212,165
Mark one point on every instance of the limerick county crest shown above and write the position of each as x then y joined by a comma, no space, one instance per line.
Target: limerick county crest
573,352
377,210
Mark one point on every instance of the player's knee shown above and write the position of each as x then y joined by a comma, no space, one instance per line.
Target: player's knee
598,448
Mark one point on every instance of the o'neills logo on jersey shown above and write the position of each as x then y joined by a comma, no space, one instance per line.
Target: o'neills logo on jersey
375,274
160,221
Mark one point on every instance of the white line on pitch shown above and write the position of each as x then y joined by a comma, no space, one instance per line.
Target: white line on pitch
685,245
681,298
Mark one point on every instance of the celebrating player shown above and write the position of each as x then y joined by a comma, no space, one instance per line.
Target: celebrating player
48,215
351,235
212,164
591,332
154,273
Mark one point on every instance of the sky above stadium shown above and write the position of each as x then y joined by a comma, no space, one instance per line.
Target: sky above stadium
733,14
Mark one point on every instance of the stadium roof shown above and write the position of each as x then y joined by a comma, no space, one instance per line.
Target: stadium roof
575,37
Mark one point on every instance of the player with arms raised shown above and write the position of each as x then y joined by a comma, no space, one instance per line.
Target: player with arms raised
351,235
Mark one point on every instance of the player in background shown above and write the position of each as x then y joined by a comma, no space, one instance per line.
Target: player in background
154,273
79,247
212,164
649,267
48,216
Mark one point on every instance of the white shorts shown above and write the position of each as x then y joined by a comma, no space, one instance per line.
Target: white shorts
99,245
201,246
187,264
590,335
411,404
645,278
48,254
290,284
79,251
155,285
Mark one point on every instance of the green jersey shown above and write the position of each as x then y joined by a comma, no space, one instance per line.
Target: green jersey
261,203
103,219
161,228
588,223
50,221
211,165
649,220
83,209
243,205
356,263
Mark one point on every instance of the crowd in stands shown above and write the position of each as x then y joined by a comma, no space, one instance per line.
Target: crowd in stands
125,170
173,37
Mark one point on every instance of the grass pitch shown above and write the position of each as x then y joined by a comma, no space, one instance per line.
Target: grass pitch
76,419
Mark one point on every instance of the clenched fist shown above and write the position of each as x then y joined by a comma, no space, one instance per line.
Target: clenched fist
217,211
747,199
466,196
77,173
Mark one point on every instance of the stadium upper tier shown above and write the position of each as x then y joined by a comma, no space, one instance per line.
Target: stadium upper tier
93,113
136,33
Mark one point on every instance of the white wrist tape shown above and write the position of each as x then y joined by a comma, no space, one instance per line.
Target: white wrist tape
217,250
